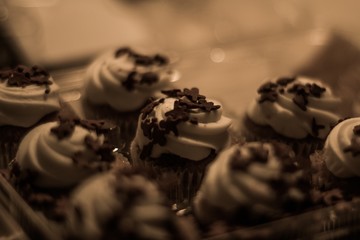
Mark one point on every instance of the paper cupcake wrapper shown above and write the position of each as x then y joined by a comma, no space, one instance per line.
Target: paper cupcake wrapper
180,184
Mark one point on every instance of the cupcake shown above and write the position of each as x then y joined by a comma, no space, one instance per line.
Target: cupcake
251,184
123,205
118,84
54,157
178,136
28,96
299,111
336,167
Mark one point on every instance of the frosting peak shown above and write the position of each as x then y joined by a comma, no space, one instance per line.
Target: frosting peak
125,79
63,154
296,107
342,149
184,123
27,94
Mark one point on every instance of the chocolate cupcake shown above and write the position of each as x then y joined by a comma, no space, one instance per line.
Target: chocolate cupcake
298,111
54,157
178,136
336,168
28,96
118,84
251,184
123,205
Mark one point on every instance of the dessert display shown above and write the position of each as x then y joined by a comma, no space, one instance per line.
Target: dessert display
54,157
250,184
299,111
178,136
186,177
119,83
28,96
123,205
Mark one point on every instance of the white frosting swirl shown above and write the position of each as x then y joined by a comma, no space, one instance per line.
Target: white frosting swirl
289,120
340,162
52,159
25,106
97,200
194,141
105,77
228,188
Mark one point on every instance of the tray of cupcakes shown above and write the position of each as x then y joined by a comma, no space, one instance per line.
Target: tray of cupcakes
119,150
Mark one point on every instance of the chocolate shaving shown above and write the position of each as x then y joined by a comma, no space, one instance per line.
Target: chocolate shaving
354,147
63,130
149,78
101,156
356,130
316,90
285,81
23,76
300,101
268,96
186,101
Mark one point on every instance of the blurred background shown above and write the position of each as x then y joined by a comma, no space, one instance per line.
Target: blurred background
57,32
236,42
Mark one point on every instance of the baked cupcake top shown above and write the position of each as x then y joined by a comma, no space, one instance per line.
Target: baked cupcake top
27,94
184,123
342,149
62,154
125,79
296,107
121,205
252,183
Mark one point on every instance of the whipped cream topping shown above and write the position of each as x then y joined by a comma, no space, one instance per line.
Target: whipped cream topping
258,177
184,124
125,79
26,96
62,155
123,206
296,107
342,149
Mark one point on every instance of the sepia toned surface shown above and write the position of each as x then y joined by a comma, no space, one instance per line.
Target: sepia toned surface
225,49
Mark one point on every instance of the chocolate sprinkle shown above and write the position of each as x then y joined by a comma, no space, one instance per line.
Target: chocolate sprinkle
23,76
186,101
269,91
354,147
136,78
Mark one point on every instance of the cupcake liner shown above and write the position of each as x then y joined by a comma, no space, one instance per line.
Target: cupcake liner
180,183
9,143
127,122
301,147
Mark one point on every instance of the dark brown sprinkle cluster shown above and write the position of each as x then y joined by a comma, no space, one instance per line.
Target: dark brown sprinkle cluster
140,59
121,224
270,91
186,101
67,125
102,154
259,154
100,158
354,147
135,78
22,76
